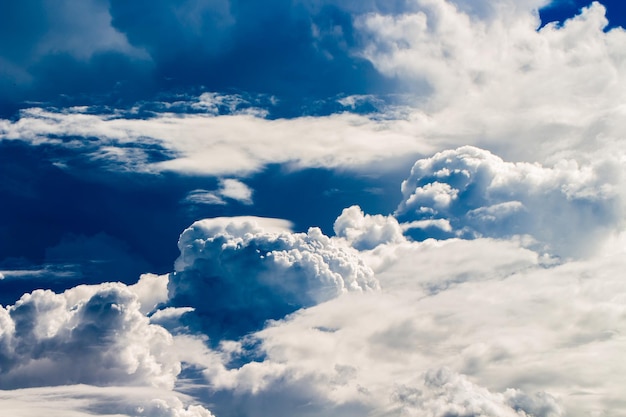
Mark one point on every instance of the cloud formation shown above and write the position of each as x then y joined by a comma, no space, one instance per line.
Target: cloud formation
523,340
365,231
567,208
474,316
230,188
237,273
94,335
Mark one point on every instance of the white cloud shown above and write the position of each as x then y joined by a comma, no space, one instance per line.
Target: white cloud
237,274
221,145
484,326
567,207
478,74
517,338
88,334
236,190
87,401
445,393
230,188
201,196
364,231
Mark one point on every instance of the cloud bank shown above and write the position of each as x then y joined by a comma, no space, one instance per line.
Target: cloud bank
494,289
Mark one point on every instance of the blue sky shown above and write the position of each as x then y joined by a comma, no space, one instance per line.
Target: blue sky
310,208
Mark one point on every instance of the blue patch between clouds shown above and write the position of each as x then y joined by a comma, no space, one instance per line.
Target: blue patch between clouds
561,10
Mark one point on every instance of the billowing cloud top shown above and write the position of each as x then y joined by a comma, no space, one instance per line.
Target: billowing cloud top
239,272
566,208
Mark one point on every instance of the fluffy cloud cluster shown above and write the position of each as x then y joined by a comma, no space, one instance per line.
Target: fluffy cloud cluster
567,208
365,231
89,334
526,340
87,401
504,330
445,393
238,274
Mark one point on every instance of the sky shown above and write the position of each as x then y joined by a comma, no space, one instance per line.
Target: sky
312,208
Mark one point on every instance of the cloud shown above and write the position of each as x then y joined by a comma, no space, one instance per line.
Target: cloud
235,190
218,145
364,231
85,401
508,337
568,208
89,334
492,80
445,393
258,320
230,188
237,273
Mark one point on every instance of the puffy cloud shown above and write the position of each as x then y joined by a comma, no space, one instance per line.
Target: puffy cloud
445,393
365,231
86,401
568,208
89,334
238,274
527,340
493,80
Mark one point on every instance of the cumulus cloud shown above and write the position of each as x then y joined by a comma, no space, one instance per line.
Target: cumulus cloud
89,334
445,393
527,340
481,323
237,273
365,231
567,207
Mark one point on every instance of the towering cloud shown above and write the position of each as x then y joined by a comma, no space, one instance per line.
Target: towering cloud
237,274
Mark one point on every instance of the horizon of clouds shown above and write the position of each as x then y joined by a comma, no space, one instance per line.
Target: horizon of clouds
493,289
335,353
